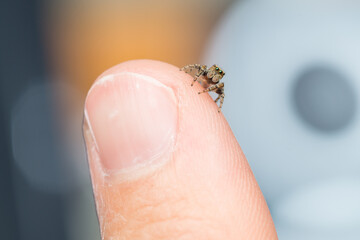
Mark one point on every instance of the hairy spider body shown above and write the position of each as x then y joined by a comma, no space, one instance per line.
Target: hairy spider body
209,78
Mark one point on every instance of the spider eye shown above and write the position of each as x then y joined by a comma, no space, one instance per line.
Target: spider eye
216,68
220,71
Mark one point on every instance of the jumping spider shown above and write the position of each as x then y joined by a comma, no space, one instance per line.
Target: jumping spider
211,79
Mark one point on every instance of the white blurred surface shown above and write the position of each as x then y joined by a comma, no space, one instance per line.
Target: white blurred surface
310,177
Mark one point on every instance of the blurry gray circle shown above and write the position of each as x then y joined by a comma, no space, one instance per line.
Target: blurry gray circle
39,149
324,98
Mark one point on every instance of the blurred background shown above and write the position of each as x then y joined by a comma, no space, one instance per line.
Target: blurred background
50,54
292,100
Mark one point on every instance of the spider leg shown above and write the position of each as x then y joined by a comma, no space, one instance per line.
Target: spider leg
222,96
190,67
221,93
213,87
219,89
201,72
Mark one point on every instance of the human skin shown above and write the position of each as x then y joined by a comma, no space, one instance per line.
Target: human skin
164,163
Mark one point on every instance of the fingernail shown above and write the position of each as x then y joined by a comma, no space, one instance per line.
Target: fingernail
133,120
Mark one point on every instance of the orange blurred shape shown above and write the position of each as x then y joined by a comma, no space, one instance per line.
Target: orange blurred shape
87,37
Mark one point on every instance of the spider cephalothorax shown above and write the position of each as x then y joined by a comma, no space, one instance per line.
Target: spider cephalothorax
210,79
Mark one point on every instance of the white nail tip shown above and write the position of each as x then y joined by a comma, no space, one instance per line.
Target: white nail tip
122,75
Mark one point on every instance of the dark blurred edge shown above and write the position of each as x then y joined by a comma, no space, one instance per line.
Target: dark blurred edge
8,220
25,213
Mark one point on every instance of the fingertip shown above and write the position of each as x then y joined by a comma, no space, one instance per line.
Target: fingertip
153,141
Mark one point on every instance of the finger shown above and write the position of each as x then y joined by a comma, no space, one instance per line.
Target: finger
164,163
